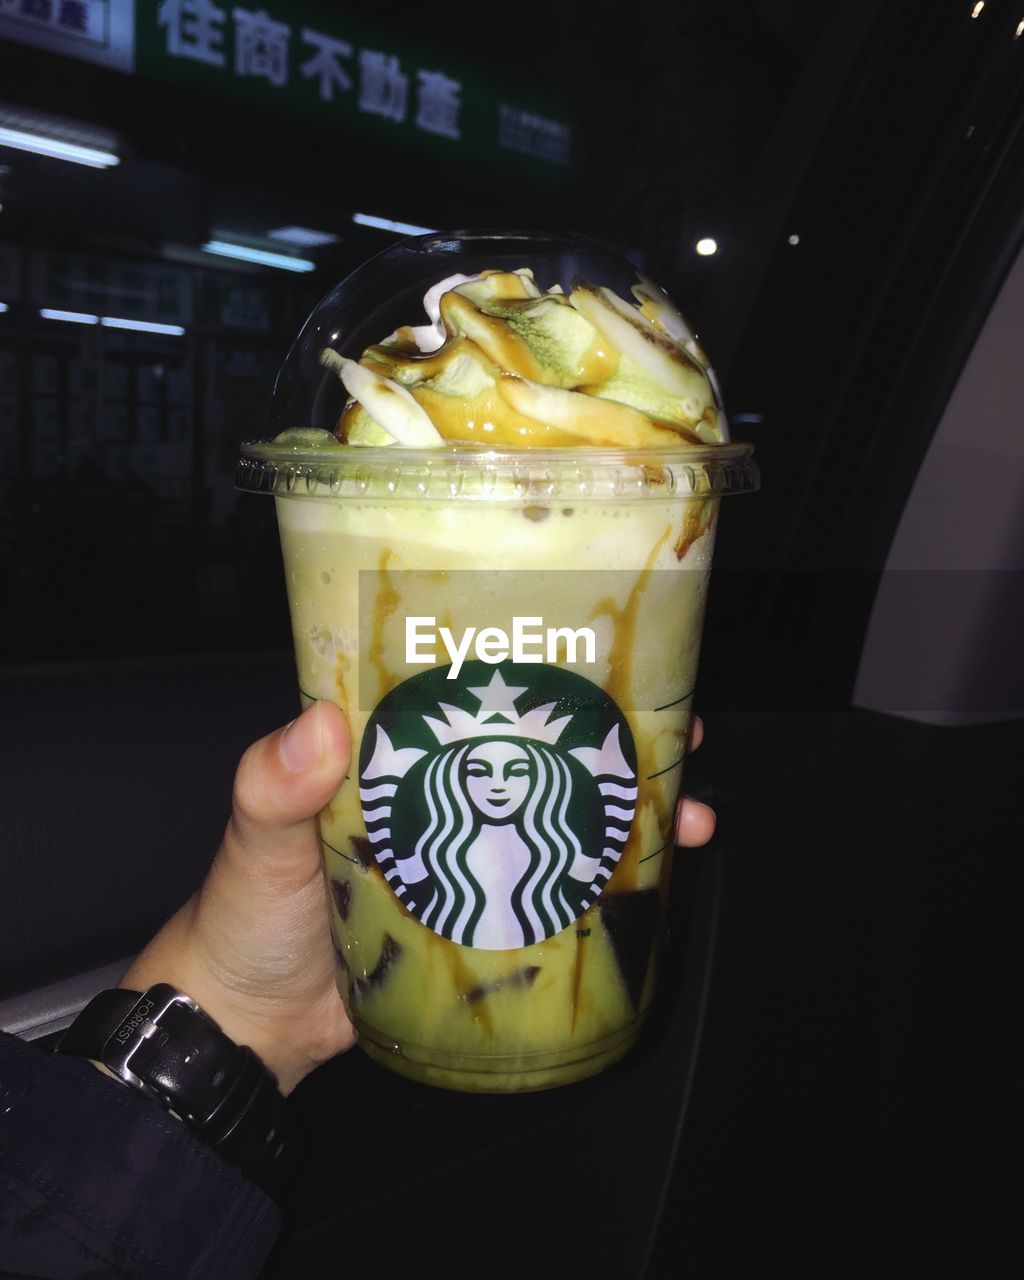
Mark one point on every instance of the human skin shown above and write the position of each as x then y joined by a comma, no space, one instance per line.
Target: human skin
253,945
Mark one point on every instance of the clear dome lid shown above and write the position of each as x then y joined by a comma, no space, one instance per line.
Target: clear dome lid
497,365
507,343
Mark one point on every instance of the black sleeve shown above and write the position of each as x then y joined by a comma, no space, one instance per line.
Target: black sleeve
95,1180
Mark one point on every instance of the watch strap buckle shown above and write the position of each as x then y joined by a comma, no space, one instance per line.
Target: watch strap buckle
184,1063
141,1024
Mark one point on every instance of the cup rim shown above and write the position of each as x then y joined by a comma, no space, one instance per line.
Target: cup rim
465,471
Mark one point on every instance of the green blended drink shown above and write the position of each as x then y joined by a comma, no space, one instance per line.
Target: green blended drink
497,531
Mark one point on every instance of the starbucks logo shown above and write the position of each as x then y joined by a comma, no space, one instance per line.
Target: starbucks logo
497,805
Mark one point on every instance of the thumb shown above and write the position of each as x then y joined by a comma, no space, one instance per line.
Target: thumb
281,783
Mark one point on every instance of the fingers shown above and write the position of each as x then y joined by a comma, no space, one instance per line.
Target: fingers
695,823
284,780
696,733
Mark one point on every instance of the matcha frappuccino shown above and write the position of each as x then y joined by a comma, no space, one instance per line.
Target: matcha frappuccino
497,547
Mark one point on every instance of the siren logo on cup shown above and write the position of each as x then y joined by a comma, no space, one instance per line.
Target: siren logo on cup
497,806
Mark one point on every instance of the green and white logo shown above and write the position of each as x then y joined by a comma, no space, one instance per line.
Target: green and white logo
497,805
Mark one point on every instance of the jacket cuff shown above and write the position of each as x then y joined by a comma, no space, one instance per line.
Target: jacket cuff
93,1171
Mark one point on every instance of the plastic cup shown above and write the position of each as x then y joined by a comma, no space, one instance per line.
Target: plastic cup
513,636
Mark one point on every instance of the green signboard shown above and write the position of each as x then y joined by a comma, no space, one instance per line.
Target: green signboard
320,64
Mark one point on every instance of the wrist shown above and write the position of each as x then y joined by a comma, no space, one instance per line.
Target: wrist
287,1036
222,1005
292,1025
161,1044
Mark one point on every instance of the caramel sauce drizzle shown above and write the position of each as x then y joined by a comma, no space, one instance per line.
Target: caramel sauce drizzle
617,686
697,518
620,652
465,982
582,934
599,363
384,607
488,418
497,341
342,665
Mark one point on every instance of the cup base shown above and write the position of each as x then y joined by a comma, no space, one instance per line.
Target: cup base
524,1073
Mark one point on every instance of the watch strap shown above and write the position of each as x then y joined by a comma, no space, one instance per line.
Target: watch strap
162,1044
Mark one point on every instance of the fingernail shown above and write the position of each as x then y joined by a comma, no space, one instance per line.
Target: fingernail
302,744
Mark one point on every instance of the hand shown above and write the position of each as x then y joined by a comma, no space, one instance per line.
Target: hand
695,822
253,946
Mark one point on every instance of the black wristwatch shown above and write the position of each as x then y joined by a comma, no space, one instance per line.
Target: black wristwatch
160,1042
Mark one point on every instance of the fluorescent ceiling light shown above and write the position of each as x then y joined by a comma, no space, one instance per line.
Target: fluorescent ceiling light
109,322
386,224
706,247
75,317
143,326
41,145
304,237
285,261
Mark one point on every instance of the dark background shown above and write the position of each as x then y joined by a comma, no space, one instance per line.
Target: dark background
671,123
835,946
